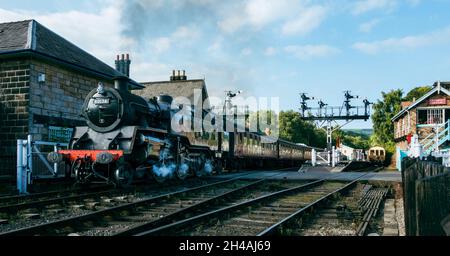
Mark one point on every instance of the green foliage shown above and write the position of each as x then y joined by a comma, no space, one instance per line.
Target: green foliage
383,111
352,139
417,92
293,128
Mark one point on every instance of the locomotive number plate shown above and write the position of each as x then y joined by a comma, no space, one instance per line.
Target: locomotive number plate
101,101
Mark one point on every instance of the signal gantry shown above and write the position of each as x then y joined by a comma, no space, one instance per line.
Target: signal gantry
326,115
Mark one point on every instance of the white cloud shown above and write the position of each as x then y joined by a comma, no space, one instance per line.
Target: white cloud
144,71
295,16
368,26
306,21
305,52
246,51
364,6
216,45
189,33
183,36
262,12
161,44
270,51
232,23
407,42
97,33
100,34
413,2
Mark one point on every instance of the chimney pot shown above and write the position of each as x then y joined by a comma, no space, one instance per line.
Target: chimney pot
122,64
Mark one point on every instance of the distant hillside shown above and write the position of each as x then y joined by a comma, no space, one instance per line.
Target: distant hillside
363,132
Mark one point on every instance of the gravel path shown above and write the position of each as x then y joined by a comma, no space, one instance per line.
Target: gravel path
399,213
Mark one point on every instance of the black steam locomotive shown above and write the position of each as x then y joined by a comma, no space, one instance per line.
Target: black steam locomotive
128,137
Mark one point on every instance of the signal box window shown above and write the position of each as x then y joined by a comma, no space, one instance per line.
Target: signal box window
430,116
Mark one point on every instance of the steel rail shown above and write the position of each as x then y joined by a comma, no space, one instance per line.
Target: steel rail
272,230
73,220
16,198
371,211
175,216
213,214
58,200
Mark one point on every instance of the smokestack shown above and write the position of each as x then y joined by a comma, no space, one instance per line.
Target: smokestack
172,77
121,84
184,77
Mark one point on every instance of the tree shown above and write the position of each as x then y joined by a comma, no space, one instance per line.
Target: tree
293,128
417,92
383,111
352,139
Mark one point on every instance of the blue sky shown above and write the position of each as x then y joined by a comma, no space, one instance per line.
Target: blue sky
266,48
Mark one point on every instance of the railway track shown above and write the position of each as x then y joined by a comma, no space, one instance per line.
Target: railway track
113,219
341,217
17,199
47,210
264,215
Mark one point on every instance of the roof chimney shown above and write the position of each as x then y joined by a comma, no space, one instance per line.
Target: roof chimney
176,76
123,64
127,63
117,62
172,77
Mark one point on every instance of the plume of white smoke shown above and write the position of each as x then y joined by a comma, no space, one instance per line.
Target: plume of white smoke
167,168
183,169
208,167
164,170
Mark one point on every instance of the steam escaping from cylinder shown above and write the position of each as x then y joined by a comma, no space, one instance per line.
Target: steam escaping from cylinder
183,169
208,167
165,170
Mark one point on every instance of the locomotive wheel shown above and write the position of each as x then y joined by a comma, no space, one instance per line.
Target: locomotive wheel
218,167
182,169
123,175
208,166
199,166
67,171
157,175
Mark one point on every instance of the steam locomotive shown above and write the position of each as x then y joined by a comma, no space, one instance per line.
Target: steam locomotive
129,137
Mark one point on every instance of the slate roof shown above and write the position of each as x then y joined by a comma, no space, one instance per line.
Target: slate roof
179,88
31,36
14,36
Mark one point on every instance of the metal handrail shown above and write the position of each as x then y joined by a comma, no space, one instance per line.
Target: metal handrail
442,136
